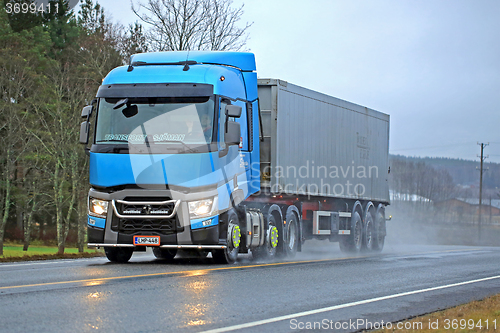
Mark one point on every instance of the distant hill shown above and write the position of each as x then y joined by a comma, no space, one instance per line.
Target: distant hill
463,172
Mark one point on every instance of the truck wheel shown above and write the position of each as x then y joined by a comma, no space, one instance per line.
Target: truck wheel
164,254
369,233
353,242
230,253
268,250
292,242
379,239
118,254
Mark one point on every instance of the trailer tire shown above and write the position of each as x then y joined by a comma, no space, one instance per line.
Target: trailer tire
230,253
164,254
119,254
369,233
353,242
379,239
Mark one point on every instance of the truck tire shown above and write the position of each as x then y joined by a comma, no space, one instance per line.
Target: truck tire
230,253
118,254
353,242
268,250
164,254
292,236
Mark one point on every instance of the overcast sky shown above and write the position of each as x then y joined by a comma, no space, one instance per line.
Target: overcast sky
432,65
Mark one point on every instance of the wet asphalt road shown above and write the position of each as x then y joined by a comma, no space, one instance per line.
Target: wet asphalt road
192,295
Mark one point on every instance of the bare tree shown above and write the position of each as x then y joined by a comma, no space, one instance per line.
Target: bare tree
131,41
193,25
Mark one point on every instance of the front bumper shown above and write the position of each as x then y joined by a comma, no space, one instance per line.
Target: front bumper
110,232
192,247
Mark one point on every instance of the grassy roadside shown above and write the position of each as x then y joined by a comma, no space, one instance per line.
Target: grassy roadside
14,252
476,316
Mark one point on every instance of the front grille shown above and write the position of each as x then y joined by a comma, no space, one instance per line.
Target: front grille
135,215
134,209
132,226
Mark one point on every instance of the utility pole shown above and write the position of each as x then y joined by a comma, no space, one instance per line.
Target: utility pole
482,157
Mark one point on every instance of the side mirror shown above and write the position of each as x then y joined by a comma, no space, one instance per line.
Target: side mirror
233,111
87,111
233,134
84,132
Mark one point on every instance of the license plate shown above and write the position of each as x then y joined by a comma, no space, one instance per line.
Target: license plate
147,240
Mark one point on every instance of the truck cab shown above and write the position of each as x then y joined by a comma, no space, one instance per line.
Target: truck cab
172,138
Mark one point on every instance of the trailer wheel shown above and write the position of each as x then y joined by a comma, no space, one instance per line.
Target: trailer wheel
369,233
230,253
164,254
268,250
292,242
353,242
379,239
118,254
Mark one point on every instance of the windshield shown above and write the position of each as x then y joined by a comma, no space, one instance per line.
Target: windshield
155,121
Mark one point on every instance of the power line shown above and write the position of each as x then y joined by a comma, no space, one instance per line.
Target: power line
444,146
482,157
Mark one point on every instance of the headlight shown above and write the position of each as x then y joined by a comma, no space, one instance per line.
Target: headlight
203,208
98,207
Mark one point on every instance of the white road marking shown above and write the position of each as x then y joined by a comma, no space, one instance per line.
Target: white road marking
56,261
342,306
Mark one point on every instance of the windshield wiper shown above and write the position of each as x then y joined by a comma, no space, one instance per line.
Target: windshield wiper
143,63
189,149
186,147
124,141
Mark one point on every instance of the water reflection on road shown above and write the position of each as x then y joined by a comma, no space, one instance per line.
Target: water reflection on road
199,298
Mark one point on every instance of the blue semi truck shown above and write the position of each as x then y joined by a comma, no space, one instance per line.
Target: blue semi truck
190,151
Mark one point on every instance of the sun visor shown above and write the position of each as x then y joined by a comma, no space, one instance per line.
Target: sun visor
156,90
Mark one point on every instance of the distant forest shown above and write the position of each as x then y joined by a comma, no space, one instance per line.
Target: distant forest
463,172
440,178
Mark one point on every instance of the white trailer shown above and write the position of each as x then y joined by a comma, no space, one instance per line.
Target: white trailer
328,158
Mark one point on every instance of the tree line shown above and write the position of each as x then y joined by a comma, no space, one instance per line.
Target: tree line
51,65
463,172
408,177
